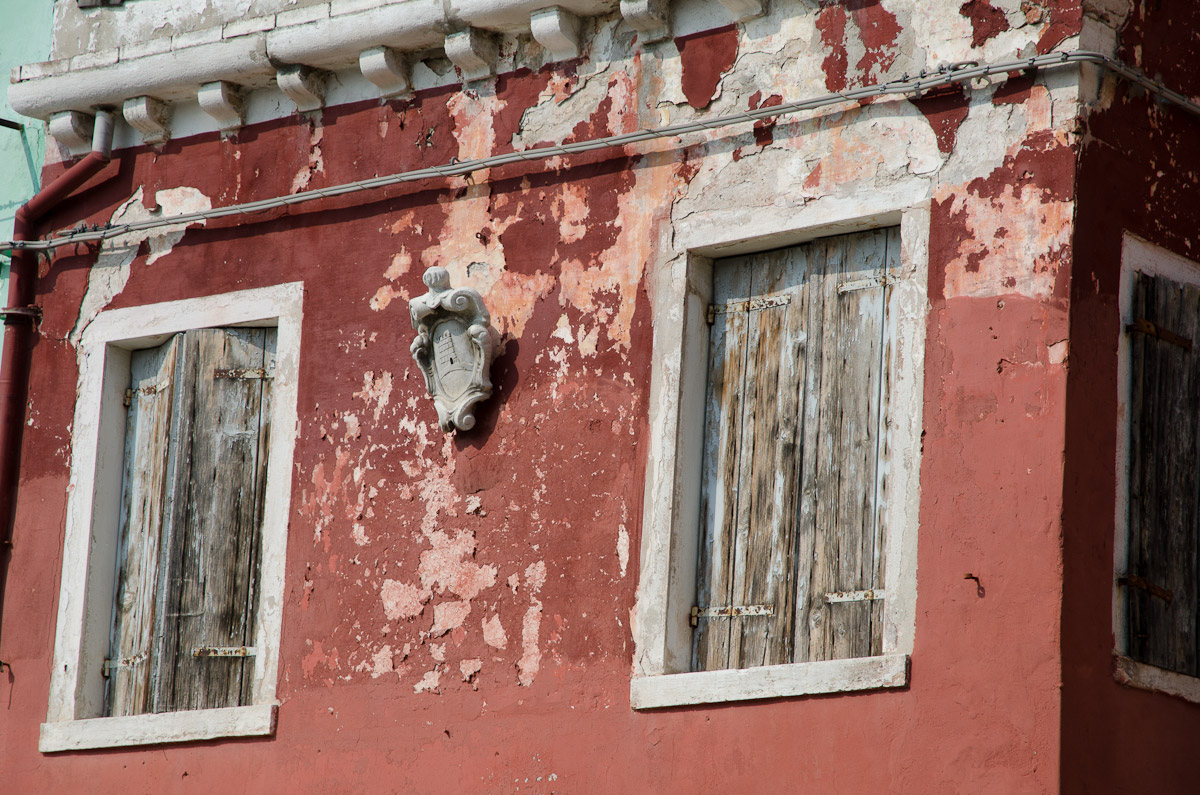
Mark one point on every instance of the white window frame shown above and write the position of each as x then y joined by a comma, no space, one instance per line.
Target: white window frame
1138,255
73,719
681,293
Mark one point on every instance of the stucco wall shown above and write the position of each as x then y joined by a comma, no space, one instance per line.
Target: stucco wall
1137,174
458,608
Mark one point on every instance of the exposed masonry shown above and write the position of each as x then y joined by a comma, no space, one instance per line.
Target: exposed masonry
296,50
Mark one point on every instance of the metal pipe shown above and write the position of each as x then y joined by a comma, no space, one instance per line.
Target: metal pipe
19,320
949,74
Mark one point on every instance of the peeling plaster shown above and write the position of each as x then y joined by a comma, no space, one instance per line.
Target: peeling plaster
108,277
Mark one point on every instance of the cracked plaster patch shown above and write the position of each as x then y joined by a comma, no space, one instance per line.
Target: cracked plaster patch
108,277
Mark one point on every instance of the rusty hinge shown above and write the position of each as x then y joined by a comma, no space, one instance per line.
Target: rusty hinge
1150,329
747,305
860,284
149,389
125,662
1142,584
737,611
869,595
223,651
244,373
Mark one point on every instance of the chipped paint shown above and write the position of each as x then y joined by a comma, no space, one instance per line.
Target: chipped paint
471,597
108,277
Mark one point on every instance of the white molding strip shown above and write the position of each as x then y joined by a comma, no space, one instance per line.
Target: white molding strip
770,681
166,727
1159,680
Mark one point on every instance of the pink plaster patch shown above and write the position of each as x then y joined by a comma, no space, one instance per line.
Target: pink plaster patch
448,616
494,634
401,600
447,566
531,655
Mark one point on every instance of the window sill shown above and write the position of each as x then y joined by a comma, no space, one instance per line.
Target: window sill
771,681
166,727
1159,680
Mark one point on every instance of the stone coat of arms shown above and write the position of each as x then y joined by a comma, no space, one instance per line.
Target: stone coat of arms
454,348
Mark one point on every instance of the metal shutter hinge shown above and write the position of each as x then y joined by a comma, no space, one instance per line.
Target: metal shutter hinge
1142,584
747,305
869,595
223,651
1150,329
244,374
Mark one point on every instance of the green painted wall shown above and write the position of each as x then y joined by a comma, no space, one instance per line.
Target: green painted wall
24,38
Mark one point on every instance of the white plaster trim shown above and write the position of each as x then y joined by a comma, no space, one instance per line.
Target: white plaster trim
770,681
89,546
167,76
1137,255
166,727
1159,680
680,294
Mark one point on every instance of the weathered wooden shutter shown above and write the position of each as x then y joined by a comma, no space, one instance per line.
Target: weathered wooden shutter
792,561
1164,475
196,455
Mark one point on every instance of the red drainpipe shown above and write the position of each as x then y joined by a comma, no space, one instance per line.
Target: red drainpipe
19,321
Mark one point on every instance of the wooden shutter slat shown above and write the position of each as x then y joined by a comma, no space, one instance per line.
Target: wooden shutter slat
216,505
842,458
765,572
134,609
727,369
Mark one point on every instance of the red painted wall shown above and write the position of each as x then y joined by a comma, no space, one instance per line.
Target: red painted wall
557,466
1137,173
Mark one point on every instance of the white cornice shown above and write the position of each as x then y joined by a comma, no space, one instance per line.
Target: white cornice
245,52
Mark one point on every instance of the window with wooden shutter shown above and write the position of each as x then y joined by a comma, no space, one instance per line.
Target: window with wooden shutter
196,438
792,563
1161,579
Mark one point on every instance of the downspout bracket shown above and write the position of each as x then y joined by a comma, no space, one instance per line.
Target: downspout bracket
21,314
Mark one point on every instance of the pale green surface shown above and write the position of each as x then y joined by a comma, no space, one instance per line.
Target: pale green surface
24,38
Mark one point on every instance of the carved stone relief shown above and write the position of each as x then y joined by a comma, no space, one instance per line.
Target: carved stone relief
454,348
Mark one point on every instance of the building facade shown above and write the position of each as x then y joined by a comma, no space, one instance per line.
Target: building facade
835,438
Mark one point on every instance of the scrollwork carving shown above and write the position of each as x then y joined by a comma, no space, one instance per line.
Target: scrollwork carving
454,347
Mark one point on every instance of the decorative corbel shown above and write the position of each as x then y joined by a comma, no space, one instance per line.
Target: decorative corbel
474,52
650,18
557,30
148,116
73,130
223,103
743,10
454,348
388,70
303,85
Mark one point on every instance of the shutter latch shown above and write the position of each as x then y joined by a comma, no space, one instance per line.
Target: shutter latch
734,611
